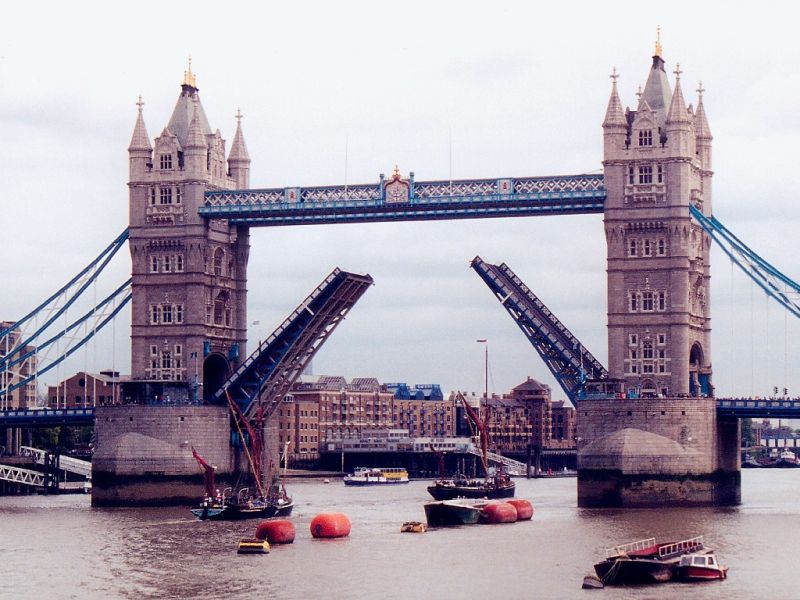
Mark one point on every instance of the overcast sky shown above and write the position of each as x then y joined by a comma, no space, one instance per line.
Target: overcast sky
521,89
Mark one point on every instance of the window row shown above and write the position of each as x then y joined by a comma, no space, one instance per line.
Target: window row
166,314
647,247
647,301
633,339
219,313
646,174
647,352
647,368
165,195
166,263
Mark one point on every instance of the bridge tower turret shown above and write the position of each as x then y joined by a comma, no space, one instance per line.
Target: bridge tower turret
189,307
659,440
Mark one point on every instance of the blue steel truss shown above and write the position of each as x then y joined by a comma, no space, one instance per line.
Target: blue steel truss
425,200
568,360
773,282
750,408
261,382
47,417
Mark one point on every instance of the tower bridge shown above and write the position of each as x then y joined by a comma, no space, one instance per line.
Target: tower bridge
650,431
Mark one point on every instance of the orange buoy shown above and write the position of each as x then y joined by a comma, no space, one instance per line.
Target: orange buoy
330,525
499,512
276,531
524,508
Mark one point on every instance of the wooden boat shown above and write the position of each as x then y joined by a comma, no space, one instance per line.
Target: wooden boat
413,527
644,561
492,488
377,476
447,513
700,567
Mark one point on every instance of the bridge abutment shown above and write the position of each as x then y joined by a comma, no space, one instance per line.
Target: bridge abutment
656,451
144,453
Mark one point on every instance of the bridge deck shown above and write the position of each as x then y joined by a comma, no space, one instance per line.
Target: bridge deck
426,200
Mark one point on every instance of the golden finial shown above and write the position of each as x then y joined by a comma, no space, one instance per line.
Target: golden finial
658,41
188,76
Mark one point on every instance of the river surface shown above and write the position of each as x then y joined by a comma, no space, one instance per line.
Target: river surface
60,547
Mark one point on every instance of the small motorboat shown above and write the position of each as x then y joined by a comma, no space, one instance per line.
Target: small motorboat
592,582
700,567
644,561
413,527
253,546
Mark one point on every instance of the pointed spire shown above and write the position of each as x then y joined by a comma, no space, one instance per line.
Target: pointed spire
195,138
614,113
700,121
189,77
677,107
140,139
238,147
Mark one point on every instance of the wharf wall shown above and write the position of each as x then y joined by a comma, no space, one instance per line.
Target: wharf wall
656,451
143,453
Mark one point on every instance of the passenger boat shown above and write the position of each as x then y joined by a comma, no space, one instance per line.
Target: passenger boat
787,458
376,476
447,513
492,488
700,567
644,561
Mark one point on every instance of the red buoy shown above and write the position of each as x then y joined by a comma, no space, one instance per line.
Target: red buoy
499,512
276,531
524,508
330,525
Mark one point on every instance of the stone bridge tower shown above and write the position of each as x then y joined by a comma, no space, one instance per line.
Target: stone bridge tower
656,437
189,310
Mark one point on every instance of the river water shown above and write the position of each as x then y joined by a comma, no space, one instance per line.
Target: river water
60,547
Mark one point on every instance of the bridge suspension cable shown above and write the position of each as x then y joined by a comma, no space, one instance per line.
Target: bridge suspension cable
777,285
23,340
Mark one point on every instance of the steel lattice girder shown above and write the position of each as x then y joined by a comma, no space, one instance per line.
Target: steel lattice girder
568,360
266,376
50,417
19,475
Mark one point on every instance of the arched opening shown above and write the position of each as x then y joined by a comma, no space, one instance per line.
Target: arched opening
215,371
698,382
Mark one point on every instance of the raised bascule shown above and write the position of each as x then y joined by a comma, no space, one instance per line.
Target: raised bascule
650,430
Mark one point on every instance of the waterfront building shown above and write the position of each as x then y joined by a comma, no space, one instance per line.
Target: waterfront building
25,395
85,390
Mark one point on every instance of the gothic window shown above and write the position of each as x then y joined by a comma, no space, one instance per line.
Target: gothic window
659,174
634,369
154,264
633,339
166,161
154,314
631,247
209,309
219,312
661,338
648,248
634,355
646,174
178,349
662,353
166,360
631,179
179,263
167,264
633,302
178,316
219,257
647,301
154,350
646,137
647,368
662,301
179,194
647,350
662,368
152,196
661,247
166,314
165,195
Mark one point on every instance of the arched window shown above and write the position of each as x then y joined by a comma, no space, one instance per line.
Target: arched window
646,137
219,261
